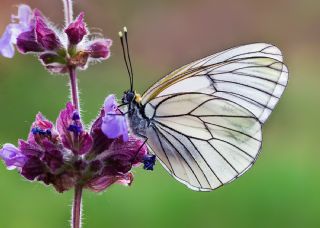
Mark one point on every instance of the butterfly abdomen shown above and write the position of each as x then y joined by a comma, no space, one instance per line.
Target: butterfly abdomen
137,121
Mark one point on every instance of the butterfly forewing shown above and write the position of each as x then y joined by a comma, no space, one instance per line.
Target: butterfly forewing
206,116
252,75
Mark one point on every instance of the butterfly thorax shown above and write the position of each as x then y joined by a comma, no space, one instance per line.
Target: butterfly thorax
137,119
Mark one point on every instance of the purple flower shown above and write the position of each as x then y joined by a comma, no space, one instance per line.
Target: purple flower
67,154
12,156
76,30
73,135
46,36
33,33
114,123
26,42
20,23
99,184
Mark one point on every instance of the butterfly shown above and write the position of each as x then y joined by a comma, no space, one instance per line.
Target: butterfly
203,121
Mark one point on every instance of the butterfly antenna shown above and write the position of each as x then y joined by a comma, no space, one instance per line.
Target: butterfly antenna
125,60
128,53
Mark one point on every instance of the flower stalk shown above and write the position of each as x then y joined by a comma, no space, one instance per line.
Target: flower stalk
77,201
76,208
74,88
68,11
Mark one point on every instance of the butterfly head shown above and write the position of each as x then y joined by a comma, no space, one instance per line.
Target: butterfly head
130,97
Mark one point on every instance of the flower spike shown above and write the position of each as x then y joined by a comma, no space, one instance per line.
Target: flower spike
32,32
66,153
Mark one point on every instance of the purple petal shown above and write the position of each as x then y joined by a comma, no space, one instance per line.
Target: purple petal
24,15
63,122
101,141
42,122
46,36
86,143
71,131
26,42
30,149
133,150
13,30
76,30
22,22
100,183
113,123
32,169
53,156
12,156
121,156
99,49
6,46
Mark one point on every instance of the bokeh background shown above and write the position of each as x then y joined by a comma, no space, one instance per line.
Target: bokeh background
281,190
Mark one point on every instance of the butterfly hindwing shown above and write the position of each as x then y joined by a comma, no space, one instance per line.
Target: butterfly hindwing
204,141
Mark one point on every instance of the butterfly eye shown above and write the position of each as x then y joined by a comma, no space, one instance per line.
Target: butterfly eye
128,97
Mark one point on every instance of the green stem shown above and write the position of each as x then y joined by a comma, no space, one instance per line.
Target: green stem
76,209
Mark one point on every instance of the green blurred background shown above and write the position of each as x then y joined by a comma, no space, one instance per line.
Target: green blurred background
281,190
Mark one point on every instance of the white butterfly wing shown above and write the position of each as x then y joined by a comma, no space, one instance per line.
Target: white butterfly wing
206,116
251,75
203,141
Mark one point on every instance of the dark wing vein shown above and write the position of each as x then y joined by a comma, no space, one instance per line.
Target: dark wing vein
160,142
164,126
206,178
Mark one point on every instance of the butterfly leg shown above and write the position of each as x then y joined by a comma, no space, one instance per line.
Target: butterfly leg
117,114
121,112
144,142
145,139
123,104
148,160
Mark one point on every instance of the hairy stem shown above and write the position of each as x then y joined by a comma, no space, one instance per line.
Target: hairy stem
68,11
74,88
76,208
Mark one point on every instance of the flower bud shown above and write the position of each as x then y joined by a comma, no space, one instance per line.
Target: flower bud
46,36
99,49
26,42
76,30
